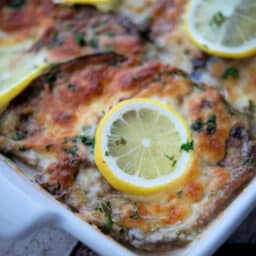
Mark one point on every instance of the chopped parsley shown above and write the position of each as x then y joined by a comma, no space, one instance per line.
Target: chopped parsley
18,135
73,150
187,51
75,139
122,231
211,125
85,128
22,148
105,208
110,34
48,147
80,39
135,215
50,77
87,140
230,72
189,145
94,43
199,86
108,48
172,159
217,19
65,141
197,125
16,4
71,87
107,153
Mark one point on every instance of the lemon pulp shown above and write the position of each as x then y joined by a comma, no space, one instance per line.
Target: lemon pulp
139,143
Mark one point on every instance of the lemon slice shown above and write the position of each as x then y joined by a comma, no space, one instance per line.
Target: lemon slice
138,146
17,72
223,28
103,5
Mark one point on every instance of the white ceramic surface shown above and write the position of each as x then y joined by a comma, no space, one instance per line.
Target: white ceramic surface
24,207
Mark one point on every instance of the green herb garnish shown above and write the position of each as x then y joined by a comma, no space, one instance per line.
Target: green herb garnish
65,141
105,207
110,34
85,128
218,19
16,4
48,147
189,145
75,139
71,87
108,48
50,77
135,215
211,125
197,125
187,51
87,140
22,148
199,86
107,153
122,231
172,159
94,43
18,135
80,40
230,72
73,150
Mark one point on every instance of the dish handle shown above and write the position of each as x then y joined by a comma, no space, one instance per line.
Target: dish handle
20,210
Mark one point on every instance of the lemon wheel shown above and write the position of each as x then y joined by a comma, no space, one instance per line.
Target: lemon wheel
138,146
223,28
17,77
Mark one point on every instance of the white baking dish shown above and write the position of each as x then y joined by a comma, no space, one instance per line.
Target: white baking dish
25,207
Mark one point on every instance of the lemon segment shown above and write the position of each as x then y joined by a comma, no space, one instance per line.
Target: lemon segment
223,28
103,5
138,146
17,74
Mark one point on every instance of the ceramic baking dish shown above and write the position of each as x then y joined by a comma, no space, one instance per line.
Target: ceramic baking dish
25,207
